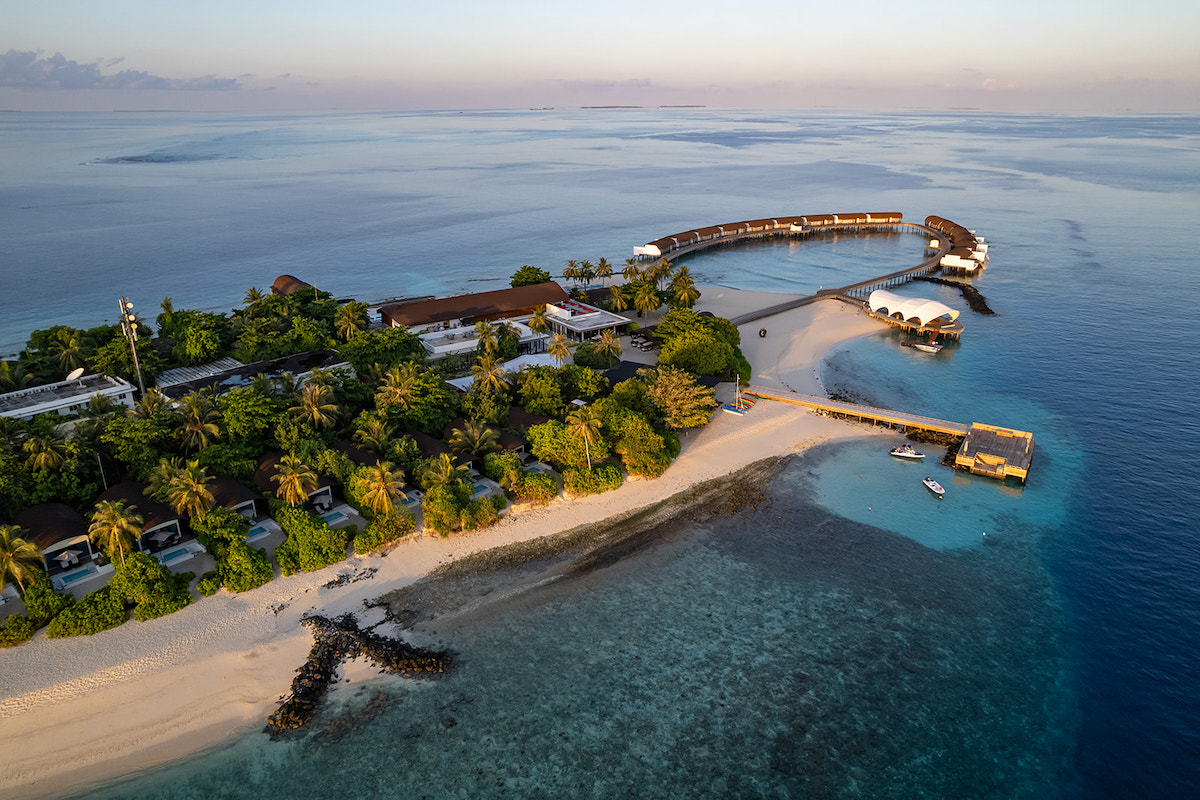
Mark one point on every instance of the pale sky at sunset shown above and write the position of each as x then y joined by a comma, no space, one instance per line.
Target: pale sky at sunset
1020,55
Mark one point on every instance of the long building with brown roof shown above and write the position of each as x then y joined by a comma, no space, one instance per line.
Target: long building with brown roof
468,309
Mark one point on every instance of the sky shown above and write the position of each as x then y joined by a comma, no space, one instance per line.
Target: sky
257,55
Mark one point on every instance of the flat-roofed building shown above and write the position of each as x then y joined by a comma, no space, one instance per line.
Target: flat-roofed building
61,534
65,397
580,321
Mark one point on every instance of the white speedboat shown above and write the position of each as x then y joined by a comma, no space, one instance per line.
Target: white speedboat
933,486
905,451
921,344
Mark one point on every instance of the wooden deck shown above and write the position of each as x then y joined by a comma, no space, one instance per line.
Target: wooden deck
996,452
986,450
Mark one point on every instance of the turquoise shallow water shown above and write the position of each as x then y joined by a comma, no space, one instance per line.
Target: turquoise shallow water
905,659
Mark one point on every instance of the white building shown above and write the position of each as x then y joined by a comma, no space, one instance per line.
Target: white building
65,397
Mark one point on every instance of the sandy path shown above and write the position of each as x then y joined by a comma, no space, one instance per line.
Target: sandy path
79,711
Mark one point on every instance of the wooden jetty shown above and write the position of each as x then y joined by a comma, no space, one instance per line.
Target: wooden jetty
986,450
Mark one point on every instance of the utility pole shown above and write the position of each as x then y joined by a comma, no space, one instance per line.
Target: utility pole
129,328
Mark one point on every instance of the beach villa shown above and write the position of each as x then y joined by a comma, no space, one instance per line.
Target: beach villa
61,534
320,497
164,534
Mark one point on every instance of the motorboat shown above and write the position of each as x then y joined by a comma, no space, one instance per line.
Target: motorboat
933,486
921,344
905,451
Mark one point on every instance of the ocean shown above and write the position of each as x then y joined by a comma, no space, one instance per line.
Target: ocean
848,636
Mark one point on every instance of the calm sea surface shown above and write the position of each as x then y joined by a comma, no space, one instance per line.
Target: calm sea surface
851,637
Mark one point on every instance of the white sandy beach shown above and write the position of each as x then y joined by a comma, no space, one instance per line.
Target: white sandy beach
76,712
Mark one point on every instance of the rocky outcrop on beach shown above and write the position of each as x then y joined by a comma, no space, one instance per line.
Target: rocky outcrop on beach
336,640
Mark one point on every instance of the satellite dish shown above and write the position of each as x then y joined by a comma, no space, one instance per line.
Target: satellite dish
75,373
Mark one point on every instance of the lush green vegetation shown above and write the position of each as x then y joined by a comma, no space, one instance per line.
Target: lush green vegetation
310,545
178,448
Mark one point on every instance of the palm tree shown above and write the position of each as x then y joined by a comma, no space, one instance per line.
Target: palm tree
295,480
199,417
485,335
45,453
99,406
69,350
322,377
161,477
114,527
475,438
398,386
609,344
660,270
559,349
19,559
587,271
631,271
11,379
351,320
374,435
604,270
538,322
285,385
253,296
684,289
315,405
584,423
571,271
618,298
152,402
646,299
384,487
488,373
442,471
189,492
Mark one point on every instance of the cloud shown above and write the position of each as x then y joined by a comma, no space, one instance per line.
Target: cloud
29,70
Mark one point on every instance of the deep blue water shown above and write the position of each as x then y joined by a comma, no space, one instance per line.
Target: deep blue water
1058,655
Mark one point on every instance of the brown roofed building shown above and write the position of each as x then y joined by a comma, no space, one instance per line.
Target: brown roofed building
229,493
61,534
468,309
162,527
289,284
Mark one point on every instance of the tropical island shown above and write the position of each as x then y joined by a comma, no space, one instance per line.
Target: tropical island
234,495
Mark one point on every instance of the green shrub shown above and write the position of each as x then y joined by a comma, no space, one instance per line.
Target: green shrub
599,479
42,603
536,488
98,611
218,527
442,507
382,530
499,502
16,630
498,465
310,545
478,514
245,568
156,590
209,583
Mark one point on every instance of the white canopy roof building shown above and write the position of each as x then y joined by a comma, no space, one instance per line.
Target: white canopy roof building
912,310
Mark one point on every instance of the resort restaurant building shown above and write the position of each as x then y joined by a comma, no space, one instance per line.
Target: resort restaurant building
447,325
911,310
65,397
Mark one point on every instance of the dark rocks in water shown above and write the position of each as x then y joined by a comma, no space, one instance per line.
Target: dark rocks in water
974,299
347,578
339,726
334,641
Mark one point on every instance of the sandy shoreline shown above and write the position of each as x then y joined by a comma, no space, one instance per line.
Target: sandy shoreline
77,712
